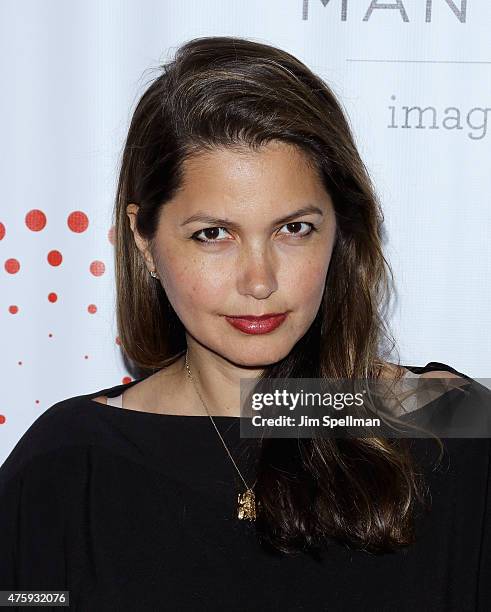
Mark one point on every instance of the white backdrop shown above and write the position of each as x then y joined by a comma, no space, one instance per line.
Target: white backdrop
71,75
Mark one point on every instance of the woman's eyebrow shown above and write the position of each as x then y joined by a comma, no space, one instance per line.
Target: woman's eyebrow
204,218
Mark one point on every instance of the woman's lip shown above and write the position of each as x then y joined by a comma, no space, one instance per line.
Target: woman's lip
257,317
257,325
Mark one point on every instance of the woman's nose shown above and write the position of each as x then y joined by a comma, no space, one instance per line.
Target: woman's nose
257,274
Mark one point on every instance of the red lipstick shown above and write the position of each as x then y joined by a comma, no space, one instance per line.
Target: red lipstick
257,324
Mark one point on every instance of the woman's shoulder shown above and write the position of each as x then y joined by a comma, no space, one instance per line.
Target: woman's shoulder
444,371
434,369
452,403
67,426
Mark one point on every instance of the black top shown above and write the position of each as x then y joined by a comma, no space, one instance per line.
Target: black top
137,511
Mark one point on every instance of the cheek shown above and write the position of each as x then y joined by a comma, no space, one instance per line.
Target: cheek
194,286
304,285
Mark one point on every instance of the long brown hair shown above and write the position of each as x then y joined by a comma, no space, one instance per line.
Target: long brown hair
232,92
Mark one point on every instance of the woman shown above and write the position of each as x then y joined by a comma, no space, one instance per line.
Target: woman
241,194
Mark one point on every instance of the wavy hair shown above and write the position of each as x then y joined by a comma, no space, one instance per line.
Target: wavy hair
233,92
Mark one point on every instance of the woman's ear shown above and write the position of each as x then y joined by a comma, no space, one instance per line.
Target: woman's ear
141,243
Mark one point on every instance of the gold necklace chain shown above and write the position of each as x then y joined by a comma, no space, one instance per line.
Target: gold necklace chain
246,500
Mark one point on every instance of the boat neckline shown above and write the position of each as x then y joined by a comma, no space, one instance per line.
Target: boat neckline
118,389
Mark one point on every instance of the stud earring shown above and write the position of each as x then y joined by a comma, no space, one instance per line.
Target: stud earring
153,273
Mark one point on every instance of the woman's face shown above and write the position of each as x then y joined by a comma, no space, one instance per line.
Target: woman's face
246,258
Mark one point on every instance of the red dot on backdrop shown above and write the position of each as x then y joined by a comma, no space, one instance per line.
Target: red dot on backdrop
78,221
97,268
52,297
55,258
2,419
92,308
2,230
19,363
13,309
126,380
50,335
12,266
35,220
110,235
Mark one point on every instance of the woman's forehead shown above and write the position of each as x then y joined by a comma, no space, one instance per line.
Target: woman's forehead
223,181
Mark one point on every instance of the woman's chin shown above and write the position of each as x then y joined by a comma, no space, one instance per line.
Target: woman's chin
255,361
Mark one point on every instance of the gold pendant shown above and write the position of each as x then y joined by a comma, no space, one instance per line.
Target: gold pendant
247,505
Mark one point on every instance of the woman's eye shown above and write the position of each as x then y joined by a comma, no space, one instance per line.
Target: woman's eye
295,228
211,234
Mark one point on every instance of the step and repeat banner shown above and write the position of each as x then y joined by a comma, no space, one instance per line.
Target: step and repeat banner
414,77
